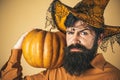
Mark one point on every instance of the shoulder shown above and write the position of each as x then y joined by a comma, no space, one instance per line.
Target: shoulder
111,72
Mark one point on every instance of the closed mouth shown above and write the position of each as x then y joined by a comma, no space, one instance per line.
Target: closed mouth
76,50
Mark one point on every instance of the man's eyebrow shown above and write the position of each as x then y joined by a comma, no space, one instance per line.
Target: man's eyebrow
84,29
80,30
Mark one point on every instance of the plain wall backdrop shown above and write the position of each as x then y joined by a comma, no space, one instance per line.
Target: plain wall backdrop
19,16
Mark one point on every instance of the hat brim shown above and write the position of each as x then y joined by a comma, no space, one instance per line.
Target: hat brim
61,11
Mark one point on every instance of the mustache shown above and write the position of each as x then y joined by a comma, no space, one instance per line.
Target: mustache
78,46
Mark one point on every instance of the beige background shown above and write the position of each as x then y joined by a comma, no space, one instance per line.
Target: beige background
19,16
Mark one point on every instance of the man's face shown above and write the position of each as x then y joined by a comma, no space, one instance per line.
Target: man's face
81,48
81,34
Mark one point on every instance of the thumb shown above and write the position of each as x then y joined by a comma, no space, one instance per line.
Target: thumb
18,45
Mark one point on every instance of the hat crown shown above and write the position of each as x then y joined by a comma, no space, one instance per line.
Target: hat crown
91,11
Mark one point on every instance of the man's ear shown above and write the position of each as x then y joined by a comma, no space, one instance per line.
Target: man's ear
100,38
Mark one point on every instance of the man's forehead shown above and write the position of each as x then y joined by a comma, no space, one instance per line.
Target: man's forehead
80,24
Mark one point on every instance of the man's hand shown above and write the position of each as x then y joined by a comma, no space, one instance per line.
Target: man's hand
18,45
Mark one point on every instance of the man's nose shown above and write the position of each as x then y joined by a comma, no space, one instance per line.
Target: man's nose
76,39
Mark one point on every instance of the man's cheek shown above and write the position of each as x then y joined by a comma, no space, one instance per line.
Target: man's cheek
69,42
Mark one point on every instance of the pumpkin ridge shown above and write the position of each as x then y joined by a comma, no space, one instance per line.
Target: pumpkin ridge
63,44
56,46
45,33
26,46
55,66
39,41
33,49
48,49
61,50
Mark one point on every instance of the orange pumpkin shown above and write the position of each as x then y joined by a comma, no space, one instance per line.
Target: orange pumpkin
44,49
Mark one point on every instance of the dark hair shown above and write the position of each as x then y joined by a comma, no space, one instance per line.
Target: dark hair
98,31
71,19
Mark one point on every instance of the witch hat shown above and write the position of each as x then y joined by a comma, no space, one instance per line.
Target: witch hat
91,12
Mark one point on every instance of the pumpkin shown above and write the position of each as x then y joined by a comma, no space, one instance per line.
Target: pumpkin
44,49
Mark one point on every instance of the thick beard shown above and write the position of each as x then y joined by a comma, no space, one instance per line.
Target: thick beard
76,63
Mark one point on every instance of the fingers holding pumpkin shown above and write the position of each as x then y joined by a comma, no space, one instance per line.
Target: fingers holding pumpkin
18,44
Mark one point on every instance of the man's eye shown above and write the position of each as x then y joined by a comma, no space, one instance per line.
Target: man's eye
84,33
69,32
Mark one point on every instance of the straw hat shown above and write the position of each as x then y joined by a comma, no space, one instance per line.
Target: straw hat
90,11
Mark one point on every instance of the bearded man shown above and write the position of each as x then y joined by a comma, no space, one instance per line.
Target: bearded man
82,41
85,30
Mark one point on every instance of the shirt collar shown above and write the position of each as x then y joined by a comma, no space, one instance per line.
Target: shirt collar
98,62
